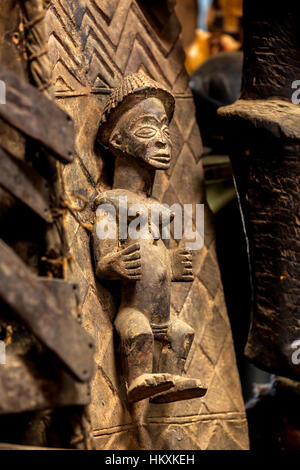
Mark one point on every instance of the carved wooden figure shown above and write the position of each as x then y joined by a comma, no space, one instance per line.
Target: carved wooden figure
154,348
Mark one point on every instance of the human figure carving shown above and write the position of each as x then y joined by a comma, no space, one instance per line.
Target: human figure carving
154,348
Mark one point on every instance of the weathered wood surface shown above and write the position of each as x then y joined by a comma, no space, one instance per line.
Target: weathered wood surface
34,304
30,112
34,130
280,118
92,44
263,128
23,182
271,45
24,388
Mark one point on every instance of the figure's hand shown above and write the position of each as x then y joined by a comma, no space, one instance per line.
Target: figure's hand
182,266
130,262
123,264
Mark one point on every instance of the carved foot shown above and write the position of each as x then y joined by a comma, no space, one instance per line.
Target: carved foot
147,385
184,389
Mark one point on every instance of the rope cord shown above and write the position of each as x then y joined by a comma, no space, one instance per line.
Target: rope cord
42,80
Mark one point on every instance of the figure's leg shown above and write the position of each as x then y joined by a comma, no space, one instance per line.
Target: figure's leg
173,357
137,354
180,337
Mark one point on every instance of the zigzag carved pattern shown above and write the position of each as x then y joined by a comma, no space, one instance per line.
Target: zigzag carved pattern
102,45
93,44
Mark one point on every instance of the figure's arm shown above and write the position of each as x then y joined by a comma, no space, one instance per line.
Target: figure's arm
114,262
182,267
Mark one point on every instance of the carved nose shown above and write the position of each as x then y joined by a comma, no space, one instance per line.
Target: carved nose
161,144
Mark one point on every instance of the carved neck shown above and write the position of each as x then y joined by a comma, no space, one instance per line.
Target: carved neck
135,178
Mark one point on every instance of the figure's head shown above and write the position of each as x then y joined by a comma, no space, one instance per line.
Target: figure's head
136,119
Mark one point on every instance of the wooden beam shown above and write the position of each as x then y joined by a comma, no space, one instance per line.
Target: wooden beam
23,182
29,111
35,304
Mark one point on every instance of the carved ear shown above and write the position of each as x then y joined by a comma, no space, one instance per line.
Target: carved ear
116,140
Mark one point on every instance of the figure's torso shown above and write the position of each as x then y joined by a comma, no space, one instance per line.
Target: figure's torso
151,294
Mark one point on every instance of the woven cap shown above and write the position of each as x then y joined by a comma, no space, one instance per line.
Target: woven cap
134,87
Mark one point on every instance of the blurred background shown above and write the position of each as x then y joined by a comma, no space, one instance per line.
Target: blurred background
212,35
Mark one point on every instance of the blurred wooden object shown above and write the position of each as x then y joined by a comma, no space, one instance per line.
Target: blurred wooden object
233,11
187,11
198,51
205,45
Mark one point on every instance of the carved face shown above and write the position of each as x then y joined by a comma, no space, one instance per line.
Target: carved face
143,133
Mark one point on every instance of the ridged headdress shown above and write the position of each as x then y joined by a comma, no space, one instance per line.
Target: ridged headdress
134,88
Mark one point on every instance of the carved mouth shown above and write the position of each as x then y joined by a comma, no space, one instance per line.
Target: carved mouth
161,158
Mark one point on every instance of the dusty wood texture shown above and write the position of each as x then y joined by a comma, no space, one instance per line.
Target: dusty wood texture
28,111
26,184
54,328
92,45
263,130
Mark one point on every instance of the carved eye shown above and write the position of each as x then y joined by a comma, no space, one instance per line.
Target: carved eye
145,132
166,132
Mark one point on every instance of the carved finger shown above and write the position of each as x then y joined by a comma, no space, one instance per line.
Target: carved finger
134,272
188,264
132,256
187,256
188,271
187,268
131,248
132,264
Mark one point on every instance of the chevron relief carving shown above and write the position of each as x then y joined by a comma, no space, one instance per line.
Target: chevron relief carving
110,45
163,30
106,8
